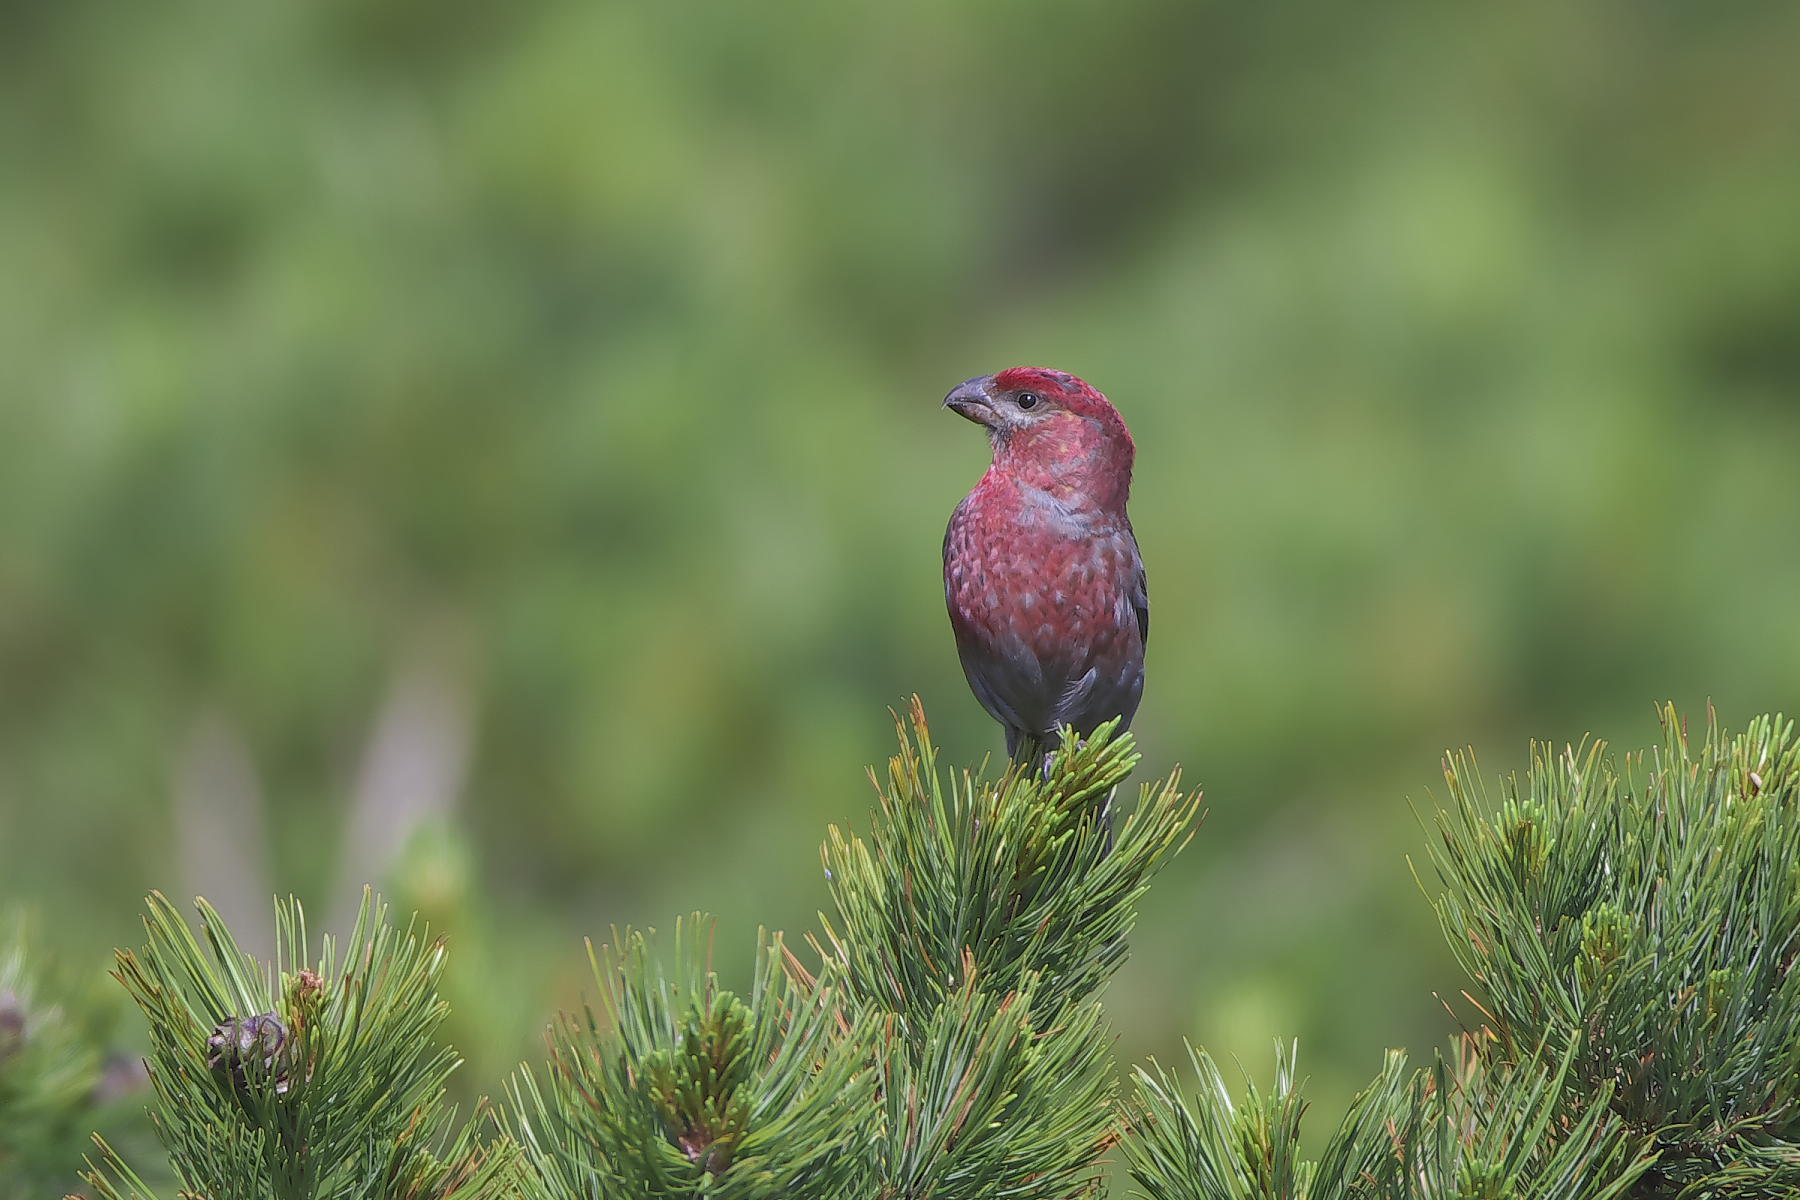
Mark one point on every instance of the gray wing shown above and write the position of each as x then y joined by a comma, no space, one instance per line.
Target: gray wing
1000,683
1140,598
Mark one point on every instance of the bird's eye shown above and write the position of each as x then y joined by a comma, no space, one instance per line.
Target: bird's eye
1027,400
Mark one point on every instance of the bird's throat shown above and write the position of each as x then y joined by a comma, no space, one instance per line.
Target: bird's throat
1073,465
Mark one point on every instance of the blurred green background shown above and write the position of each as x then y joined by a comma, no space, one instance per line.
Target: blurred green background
496,450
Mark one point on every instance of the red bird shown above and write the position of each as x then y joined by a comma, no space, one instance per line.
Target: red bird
1041,570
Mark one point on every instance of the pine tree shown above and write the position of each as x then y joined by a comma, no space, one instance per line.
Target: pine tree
945,1042
1647,914
315,1076
1629,931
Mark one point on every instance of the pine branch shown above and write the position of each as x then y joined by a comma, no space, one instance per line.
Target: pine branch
975,923
677,1087
1209,1148
1013,877
987,1098
306,1079
1651,914
1458,1130
1634,939
1485,1130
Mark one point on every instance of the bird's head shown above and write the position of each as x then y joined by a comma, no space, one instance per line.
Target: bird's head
1050,429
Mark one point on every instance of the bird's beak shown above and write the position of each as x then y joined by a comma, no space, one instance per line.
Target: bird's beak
970,399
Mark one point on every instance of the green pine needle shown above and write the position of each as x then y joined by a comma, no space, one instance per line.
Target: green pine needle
677,1087
310,1078
986,1099
1459,1130
1650,912
1020,875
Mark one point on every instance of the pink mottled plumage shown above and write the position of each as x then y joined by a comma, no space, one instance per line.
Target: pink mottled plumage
1041,570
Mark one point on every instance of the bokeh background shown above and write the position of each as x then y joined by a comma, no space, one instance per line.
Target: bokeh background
495,451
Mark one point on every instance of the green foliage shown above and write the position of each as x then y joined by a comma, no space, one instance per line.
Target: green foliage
976,922
999,880
947,1046
1213,1149
992,1096
48,1072
59,1077
1458,1130
678,1087
879,1074
310,1078
1652,914
1631,931
1487,1130
1647,921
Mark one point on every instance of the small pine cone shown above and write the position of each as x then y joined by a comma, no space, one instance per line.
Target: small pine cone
250,1048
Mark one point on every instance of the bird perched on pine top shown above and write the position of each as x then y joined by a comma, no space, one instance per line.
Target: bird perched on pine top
1041,569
